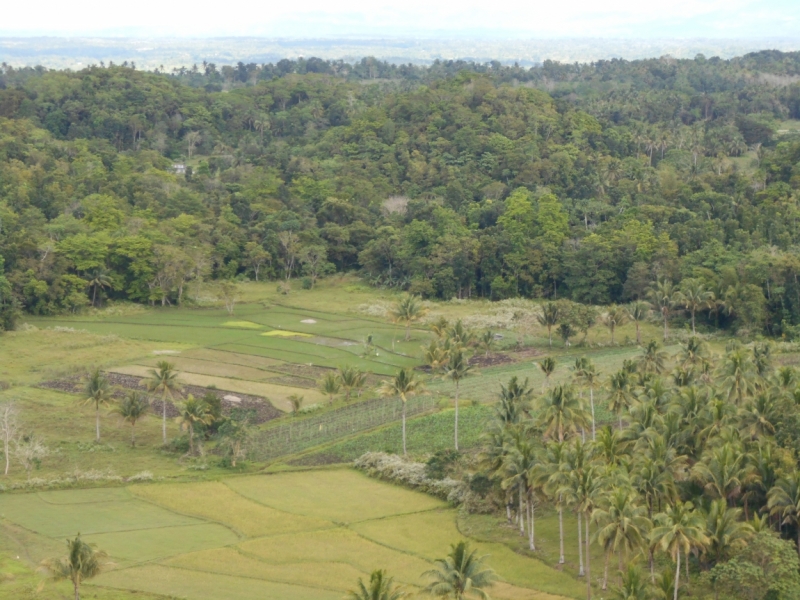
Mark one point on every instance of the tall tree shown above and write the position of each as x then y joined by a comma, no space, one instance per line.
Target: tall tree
679,529
408,310
638,312
97,391
81,563
164,379
132,408
403,385
460,575
548,317
457,368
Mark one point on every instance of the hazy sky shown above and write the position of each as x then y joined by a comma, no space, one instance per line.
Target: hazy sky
375,18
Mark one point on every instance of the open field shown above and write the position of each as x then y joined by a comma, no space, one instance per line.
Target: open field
290,536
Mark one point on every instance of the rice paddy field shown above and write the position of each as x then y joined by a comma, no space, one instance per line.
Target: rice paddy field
291,536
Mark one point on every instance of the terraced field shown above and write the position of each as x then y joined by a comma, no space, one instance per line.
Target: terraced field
293,536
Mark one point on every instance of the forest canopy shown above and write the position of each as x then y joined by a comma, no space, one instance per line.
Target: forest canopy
585,182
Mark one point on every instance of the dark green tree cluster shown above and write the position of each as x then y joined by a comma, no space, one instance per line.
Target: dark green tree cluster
589,182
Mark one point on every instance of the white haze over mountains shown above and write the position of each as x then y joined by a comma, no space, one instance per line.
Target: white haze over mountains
179,33
153,53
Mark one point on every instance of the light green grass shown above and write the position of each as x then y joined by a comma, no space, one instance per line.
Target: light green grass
284,333
217,502
340,495
242,324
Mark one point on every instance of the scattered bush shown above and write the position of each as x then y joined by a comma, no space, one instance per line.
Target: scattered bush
392,467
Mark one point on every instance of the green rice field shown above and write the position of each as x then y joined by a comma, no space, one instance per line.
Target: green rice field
289,536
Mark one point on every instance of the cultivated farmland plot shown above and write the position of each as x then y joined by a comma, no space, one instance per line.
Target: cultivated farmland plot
293,536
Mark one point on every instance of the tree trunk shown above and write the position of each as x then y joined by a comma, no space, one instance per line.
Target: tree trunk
561,560
408,331
591,402
97,424
605,572
638,335
94,297
77,587
549,336
133,435
191,440
581,572
666,331
8,458
456,429
693,330
588,562
531,525
404,428
677,576
612,335
521,516
652,566
164,417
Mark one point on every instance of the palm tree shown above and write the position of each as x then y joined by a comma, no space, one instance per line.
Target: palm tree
784,501
403,385
164,379
549,318
351,379
439,327
561,412
694,352
725,530
295,401
566,331
437,354
638,312
519,463
82,562
515,401
487,342
679,528
381,587
457,368
633,587
620,396
459,336
694,296
132,408
614,317
407,310
331,385
737,374
587,374
553,472
662,297
191,413
758,418
653,359
547,365
623,525
461,575
98,392
98,279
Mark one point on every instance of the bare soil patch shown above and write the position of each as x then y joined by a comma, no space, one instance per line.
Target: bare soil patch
262,408
497,358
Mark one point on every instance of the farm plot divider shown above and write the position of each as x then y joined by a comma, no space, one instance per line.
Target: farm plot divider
292,436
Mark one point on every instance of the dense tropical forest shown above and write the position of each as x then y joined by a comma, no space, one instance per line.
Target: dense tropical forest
600,183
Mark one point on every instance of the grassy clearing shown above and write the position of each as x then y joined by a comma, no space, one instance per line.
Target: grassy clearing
217,502
340,495
425,435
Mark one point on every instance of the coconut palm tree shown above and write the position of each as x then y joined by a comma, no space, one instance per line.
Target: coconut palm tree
552,472
191,413
132,408
459,336
520,461
440,327
164,379
737,374
662,297
726,532
98,279
694,352
549,317
638,312
694,296
351,379
566,331
403,385
679,529
380,587
561,412
457,368
633,586
97,391
784,501
461,575
514,401
622,524
620,394
407,311
437,354
587,374
613,318
653,359
330,385
547,365
81,563
487,342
